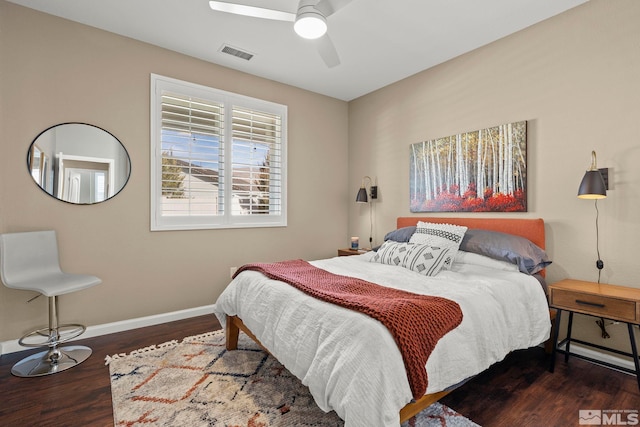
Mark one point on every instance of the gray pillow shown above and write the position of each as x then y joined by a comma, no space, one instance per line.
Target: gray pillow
517,250
401,235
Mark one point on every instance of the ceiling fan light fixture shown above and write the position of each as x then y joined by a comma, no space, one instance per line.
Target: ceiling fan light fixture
310,24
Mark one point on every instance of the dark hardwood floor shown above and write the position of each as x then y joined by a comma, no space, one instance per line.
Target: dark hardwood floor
518,391
81,396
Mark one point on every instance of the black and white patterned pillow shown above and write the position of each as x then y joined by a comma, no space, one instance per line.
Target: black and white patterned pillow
392,253
424,259
440,235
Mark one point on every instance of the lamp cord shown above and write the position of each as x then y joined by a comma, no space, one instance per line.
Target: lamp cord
371,225
599,265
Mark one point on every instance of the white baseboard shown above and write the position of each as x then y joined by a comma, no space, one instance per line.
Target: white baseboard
601,356
12,346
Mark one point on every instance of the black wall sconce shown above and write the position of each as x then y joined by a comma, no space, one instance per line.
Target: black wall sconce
362,197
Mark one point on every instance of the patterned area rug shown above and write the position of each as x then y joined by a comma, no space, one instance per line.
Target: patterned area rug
198,383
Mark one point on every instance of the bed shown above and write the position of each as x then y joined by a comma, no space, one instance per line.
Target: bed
352,364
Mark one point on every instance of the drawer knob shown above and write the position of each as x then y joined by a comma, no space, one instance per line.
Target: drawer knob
591,304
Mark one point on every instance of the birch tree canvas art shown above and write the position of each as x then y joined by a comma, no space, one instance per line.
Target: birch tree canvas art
480,171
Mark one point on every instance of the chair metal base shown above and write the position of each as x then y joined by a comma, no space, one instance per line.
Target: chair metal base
54,359
52,337
51,361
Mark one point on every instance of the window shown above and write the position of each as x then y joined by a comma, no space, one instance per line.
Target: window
218,159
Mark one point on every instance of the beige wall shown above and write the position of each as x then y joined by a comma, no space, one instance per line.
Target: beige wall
575,78
55,71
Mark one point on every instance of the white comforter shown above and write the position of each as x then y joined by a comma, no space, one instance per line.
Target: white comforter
350,361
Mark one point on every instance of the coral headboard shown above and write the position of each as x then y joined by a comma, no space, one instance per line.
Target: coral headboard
532,229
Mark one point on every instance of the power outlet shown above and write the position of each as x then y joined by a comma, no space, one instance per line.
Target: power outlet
232,271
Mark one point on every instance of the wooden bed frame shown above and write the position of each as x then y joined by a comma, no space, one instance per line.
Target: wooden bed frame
532,229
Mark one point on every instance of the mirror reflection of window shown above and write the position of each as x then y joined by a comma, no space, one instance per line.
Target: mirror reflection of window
35,169
100,185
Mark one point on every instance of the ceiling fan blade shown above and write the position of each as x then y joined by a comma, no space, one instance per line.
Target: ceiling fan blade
328,52
329,7
256,12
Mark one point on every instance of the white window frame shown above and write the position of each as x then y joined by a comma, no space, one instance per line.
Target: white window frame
159,222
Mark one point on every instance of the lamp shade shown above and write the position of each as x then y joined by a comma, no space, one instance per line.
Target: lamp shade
592,185
362,196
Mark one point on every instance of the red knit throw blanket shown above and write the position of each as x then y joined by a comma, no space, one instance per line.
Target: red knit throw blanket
416,322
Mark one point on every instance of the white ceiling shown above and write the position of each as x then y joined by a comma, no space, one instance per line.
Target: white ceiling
379,42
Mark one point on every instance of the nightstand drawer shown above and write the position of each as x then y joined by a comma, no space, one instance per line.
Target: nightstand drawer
612,308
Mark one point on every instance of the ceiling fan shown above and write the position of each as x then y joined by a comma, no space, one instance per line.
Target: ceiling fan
310,21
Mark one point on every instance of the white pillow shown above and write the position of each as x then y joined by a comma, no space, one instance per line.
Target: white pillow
440,235
423,259
470,258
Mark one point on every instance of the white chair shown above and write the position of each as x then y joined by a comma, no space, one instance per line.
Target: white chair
29,261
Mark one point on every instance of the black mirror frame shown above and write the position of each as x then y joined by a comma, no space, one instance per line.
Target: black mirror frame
39,185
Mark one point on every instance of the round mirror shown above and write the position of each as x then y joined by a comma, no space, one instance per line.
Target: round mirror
78,163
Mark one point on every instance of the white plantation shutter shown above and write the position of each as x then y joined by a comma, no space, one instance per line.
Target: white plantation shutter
192,156
218,159
257,162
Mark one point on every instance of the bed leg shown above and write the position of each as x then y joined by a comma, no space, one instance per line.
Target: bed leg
548,344
231,333
412,409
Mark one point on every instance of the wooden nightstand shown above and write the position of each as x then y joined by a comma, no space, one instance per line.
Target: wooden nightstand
349,251
595,299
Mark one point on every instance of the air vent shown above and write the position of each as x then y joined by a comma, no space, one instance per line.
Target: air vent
236,52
